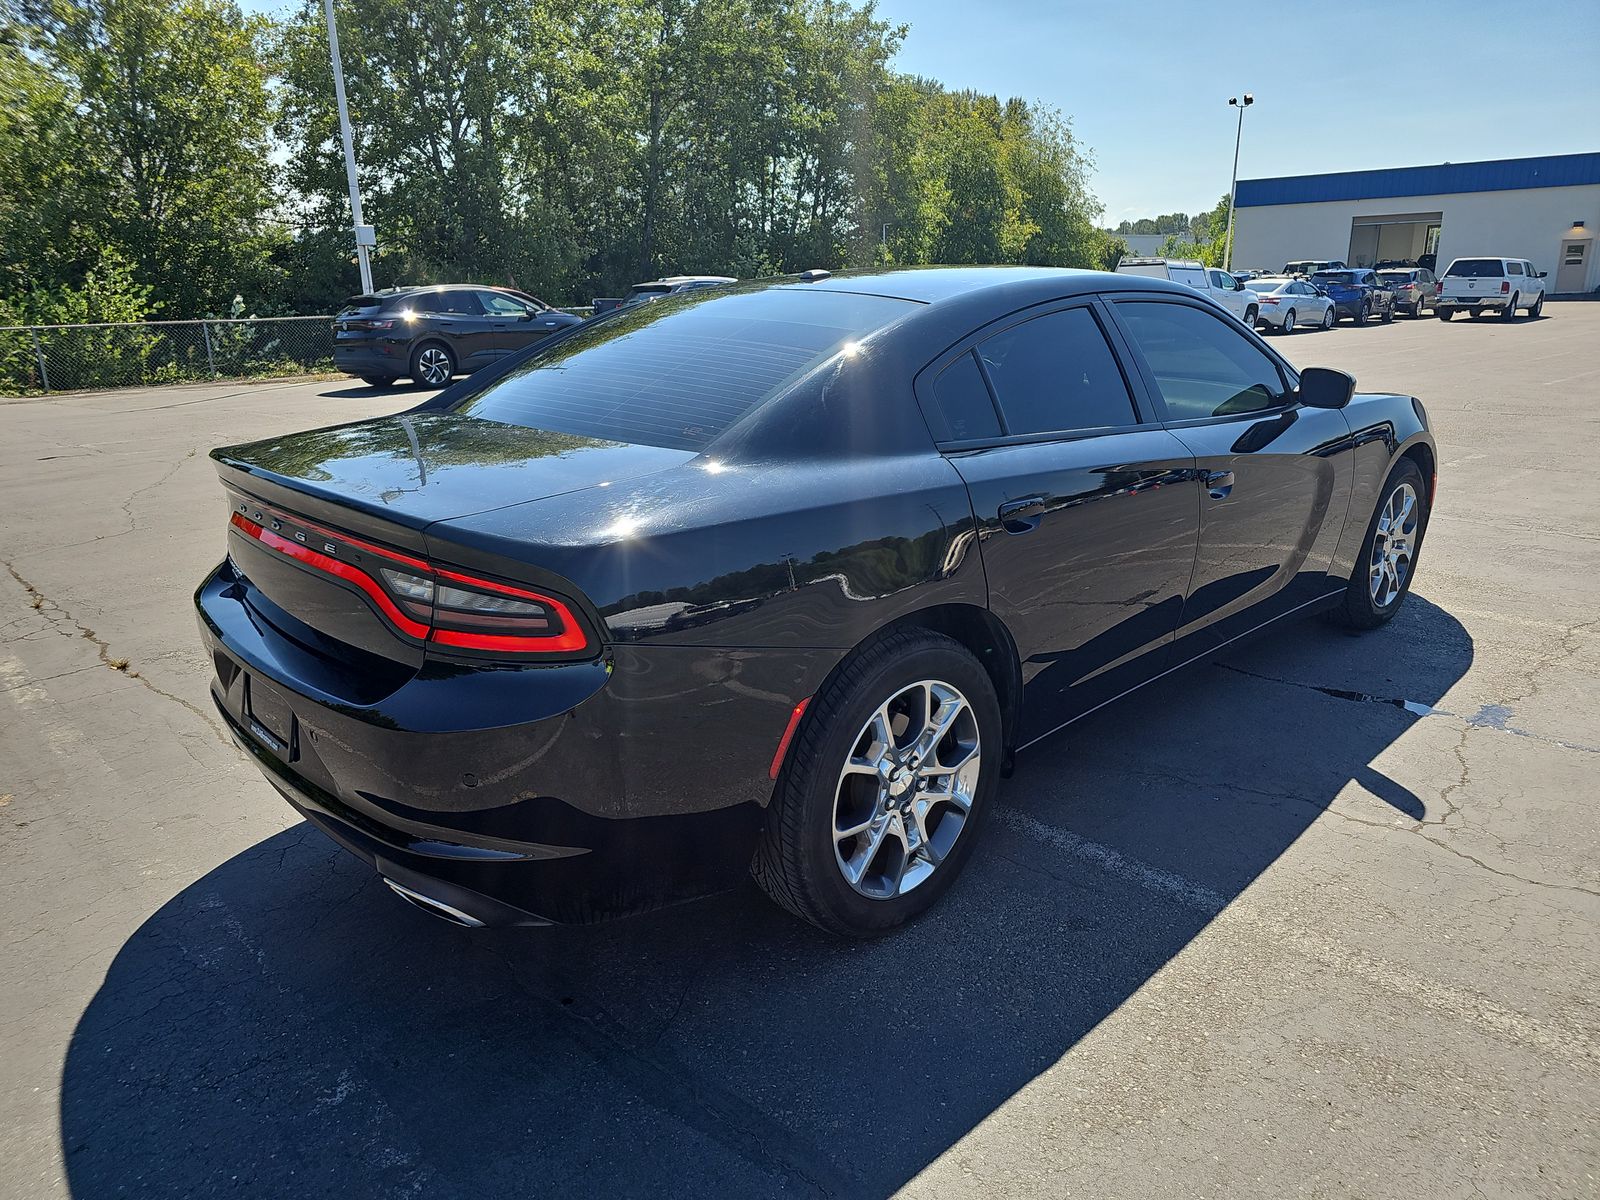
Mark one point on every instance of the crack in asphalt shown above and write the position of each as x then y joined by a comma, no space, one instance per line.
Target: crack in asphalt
1488,717
103,649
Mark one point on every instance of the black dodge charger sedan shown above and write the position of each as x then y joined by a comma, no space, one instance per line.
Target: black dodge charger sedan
778,578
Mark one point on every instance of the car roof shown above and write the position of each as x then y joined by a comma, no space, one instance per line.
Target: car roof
934,285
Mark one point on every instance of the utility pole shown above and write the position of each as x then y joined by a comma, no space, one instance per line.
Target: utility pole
366,236
1233,188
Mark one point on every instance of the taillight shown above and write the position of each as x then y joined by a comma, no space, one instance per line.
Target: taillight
1505,286
1438,288
420,599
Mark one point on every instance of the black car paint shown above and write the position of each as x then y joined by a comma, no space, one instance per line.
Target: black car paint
475,339
729,584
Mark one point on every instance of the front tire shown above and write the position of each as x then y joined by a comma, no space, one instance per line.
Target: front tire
432,364
1383,573
889,775
1251,315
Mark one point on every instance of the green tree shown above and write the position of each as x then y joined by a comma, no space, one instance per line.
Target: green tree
169,144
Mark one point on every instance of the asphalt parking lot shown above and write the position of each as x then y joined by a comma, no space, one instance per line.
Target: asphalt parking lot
1322,919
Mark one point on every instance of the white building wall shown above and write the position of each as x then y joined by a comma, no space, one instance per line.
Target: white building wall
1529,223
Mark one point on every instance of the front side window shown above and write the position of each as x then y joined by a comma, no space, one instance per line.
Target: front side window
1223,280
1055,374
1202,365
498,304
678,372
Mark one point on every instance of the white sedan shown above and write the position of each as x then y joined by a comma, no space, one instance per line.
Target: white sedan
1288,303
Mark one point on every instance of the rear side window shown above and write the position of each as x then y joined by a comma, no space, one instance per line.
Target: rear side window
1193,276
1514,268
1056,373
677,372
460,304
964,403
1477,268
1203,366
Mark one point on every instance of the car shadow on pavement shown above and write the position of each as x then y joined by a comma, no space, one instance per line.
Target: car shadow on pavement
356,390
286,1027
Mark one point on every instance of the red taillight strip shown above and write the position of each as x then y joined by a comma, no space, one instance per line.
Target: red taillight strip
332,566
571,638
788,736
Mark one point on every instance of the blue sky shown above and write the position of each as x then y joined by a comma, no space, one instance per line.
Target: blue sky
1339,86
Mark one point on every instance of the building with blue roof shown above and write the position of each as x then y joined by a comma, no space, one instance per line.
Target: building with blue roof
1544,209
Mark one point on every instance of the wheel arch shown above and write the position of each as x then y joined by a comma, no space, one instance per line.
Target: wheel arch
989,641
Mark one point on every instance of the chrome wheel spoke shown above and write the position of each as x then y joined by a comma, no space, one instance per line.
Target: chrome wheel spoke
898,808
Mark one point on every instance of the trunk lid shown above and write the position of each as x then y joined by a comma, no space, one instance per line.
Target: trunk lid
349,494
417,468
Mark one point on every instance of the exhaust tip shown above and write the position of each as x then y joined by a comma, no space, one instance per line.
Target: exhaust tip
438,908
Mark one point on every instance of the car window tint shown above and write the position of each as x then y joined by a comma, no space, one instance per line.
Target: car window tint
1476,268
1514,268
498,304
964,402
1203,366
1056,373
677,372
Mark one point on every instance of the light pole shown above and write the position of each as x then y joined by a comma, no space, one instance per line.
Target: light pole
365,236
1233,188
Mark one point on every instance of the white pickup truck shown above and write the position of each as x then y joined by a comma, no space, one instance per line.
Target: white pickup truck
1218,284
1480,285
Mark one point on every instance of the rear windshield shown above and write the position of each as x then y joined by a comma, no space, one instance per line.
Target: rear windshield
1477,268
1334,277
678,372
1395,276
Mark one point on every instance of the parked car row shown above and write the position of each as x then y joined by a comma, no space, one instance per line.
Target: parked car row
431,334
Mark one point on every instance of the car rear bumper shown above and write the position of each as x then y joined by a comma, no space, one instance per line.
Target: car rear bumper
1495,302
383,358
520,823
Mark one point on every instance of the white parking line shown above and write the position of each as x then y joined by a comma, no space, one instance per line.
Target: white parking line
1457,1006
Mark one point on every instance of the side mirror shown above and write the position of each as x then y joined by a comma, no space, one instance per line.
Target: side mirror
1323,387
1542,274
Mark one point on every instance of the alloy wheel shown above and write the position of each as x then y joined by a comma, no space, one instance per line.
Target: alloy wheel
434,364
906,790
1288,321
1393,546
1328,317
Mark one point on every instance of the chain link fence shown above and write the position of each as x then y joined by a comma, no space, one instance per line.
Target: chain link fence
63,358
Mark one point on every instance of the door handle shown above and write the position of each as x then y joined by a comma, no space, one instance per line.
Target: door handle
1021,516
1218,483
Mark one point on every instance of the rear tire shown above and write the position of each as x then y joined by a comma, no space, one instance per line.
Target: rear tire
1509,313
432,364
1288,321
1329,317
1362,314
1444,314
1416,311
1394,537
1388,315
1538,306
893,859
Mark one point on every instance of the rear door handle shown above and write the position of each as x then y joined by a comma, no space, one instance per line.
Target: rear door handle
1218,483
1021,516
